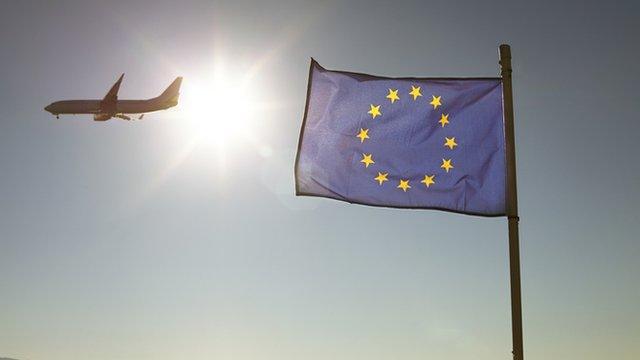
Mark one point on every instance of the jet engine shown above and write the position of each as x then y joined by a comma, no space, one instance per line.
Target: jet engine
101,117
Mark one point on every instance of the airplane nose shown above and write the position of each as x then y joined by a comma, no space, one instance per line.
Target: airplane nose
47,108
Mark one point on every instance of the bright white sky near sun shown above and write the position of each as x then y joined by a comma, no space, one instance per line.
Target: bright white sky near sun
178,237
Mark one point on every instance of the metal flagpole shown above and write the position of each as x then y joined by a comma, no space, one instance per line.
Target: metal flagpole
512,203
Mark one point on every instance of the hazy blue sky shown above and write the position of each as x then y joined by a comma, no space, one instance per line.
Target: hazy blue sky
159,240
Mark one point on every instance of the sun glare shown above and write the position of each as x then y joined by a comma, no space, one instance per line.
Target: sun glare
217,110
221,117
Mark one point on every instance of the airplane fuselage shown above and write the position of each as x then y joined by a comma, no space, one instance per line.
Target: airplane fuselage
97,106
74,107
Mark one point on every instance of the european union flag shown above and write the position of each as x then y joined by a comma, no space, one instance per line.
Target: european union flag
426,143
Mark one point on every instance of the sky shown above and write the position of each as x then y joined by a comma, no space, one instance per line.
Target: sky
179,236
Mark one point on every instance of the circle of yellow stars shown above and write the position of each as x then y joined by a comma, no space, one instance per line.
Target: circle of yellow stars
449,142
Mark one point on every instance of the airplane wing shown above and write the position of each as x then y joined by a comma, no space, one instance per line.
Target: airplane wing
112,95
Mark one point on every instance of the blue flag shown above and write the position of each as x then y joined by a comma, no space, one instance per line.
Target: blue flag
425,143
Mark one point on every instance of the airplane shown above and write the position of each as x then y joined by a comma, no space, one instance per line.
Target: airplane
110,107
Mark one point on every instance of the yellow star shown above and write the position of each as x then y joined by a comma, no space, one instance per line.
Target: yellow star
382,177
428,180
393,95
364,134
446,164
444,119
375,111
367,160
415,92
404,185
450,142
436,101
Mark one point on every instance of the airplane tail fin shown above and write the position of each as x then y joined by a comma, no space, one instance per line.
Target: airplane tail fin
172,93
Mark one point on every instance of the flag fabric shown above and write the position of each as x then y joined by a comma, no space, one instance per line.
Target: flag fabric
424,143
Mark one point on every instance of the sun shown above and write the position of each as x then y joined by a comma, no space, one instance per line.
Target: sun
218,111
220,118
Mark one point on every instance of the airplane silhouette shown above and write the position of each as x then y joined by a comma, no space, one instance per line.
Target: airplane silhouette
110,107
